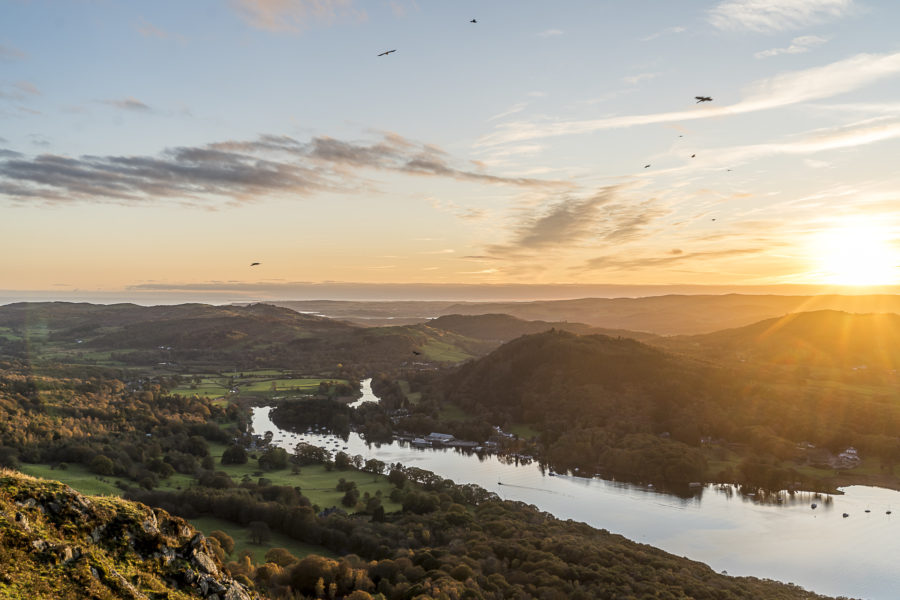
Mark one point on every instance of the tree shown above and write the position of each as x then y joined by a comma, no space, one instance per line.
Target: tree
397,477
281,557
342,461
235,455
351,497
9,458
273,458
259,532
102,465
225,540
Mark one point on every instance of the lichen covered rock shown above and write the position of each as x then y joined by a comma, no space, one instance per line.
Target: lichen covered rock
56,543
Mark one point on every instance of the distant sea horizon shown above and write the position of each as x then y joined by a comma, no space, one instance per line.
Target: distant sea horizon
220,294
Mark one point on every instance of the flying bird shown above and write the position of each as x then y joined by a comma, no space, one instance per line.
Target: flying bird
646,166
388,52
693,155
703,99
253,264
473,21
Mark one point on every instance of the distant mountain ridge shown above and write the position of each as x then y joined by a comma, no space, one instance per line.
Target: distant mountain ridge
502,327
825,337
672,315
662,315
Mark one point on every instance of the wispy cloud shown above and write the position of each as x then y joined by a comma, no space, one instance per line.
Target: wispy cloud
515,108
129,103
603,217
636,79
666,31
550,33
842,138
622,263
799,45
19,91
782,90
231,171
147,29
28,88
461,212
295,15
776,15
9,53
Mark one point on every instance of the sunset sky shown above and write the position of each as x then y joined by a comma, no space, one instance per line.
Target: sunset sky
161,146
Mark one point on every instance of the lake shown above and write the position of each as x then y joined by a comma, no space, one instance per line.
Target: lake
817,549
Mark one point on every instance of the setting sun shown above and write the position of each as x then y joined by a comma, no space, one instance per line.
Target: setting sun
859,253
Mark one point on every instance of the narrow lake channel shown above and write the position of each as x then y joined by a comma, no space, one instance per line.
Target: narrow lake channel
819,549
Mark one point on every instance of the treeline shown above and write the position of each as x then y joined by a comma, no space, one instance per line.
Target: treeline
113,428
452,541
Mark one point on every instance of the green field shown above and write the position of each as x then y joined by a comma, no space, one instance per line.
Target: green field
241,537
525,432
281,385
9,334
87,482
258,373
211,390
315,482
77,477
413,397
439,351
451,412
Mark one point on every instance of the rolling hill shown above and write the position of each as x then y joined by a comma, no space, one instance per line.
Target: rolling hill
824,338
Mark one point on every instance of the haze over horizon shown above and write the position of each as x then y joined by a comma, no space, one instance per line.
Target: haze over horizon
152,152
451,293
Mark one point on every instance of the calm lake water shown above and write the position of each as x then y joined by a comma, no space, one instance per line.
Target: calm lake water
857,556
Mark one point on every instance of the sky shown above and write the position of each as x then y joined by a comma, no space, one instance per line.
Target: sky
154,148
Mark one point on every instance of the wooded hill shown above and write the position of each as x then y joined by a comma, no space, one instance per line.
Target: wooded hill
628,410
593,395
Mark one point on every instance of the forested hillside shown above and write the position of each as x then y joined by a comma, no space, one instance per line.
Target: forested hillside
625,409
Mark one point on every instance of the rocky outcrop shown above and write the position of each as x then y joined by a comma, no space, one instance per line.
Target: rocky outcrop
57,543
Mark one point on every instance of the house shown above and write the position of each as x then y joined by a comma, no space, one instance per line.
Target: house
440,438
847,459
334,510
420,442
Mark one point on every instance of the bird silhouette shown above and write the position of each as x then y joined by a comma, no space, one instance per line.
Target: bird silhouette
388,52
702,99
693,155
646,166
473,21
253,264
